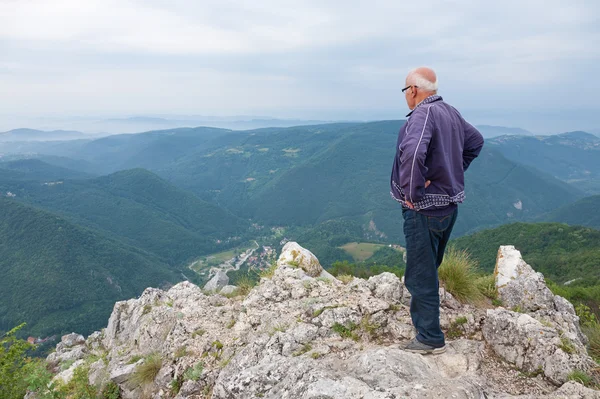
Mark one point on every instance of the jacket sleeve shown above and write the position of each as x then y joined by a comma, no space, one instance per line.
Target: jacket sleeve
472,145
414,151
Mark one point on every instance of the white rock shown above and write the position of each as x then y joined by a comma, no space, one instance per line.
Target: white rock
294,254
228,290
216,283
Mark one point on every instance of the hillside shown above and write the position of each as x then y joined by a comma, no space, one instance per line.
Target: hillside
39,135
35,169
582,213
143,210
60,277
559,251
350,178
311,174
494,131
573,157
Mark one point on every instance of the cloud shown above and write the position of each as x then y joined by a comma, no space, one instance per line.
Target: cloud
134,56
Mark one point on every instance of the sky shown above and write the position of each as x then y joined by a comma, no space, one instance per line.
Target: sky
525,63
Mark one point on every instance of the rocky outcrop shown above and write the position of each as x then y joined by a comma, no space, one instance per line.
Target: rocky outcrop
304,334
543,333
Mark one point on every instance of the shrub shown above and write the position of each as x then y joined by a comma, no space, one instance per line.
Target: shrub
146,372
457,273
111,391
193,373
12,359
79,387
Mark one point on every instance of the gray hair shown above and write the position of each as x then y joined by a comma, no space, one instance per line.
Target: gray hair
421,82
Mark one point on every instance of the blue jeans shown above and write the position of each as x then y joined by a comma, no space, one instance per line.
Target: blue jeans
426,239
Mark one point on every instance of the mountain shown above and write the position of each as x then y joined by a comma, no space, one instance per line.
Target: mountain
573,157
141,209
40,135
306,175
350,178
559,251
39,170
583,213
58,276
493,131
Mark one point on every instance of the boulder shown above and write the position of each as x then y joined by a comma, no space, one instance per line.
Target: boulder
294,254
218,281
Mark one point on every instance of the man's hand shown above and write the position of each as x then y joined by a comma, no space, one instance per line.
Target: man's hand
409,204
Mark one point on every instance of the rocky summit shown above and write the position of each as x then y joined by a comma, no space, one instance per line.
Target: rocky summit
302,333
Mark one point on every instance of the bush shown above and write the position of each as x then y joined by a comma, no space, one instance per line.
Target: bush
111,391
78,387
12,361
146,372
193,373
458,275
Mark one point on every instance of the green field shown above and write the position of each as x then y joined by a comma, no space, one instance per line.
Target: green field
361,251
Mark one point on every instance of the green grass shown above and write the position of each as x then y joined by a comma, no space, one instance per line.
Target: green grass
458,275
268,272
146,372
361,251
455,331
193,373
245,285
581,377
567,346
592,331
305,348
345,278
346,332
487,286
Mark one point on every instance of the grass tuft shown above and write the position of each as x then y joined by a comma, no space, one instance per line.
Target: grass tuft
592,331
146,372
458,275
269,272
346,332
581,377
245,285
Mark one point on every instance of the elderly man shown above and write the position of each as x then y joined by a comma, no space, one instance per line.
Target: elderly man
435,147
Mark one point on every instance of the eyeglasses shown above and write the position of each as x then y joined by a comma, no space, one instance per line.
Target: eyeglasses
408,87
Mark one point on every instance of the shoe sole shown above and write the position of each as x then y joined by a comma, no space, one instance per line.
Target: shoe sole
435,351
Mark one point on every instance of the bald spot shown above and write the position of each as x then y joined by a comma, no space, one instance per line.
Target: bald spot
426,73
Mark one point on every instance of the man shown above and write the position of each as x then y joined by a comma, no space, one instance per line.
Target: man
435,147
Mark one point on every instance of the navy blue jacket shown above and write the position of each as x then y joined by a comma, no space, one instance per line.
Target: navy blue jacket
435,144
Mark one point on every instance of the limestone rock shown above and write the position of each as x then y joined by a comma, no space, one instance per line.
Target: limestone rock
525,342
386,286
294,254
70,340
303,334
519,286
228,290
216,283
